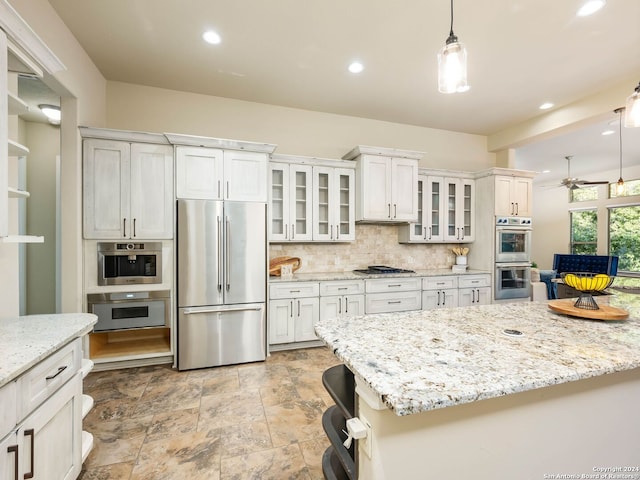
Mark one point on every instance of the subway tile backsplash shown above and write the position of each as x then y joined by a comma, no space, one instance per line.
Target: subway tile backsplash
374,245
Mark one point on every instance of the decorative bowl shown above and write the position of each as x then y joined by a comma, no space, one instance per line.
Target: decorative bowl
587,283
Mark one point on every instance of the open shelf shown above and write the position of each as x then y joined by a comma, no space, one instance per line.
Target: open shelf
15,193
22,239
17,150
16,105
130,343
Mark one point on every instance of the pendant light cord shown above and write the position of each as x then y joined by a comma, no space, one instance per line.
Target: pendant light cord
620,133
451,29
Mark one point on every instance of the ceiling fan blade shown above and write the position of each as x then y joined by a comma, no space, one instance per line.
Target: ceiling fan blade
601,182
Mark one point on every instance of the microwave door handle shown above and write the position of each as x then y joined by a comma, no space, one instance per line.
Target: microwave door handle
227,252
219,254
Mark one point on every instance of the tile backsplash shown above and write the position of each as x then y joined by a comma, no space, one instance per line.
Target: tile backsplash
374,245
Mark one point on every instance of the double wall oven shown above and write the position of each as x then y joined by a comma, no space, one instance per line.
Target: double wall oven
513,258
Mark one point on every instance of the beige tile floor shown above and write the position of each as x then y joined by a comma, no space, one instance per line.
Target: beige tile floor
253,421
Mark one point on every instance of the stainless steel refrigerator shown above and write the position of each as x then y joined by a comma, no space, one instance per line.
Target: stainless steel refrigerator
222,269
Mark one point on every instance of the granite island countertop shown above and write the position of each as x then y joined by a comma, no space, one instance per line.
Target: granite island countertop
424,360
24,341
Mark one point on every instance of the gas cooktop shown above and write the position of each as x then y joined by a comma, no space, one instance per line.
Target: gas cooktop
381,270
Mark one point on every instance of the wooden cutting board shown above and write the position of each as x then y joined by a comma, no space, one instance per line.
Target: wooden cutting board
606,312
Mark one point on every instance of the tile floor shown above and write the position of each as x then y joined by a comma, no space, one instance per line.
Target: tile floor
253,421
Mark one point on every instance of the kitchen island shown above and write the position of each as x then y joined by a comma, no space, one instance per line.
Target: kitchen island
456,393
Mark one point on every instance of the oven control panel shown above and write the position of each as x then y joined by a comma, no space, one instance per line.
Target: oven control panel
514,221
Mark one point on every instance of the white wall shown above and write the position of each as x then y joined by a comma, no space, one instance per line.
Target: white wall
297,132
43,141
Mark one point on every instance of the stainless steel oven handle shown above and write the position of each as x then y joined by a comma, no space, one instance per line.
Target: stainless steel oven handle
195,311
513,264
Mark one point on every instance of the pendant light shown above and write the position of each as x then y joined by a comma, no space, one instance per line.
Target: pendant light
632,115
620,184
452,64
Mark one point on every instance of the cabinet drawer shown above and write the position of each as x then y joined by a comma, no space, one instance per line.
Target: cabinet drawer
294,290
439,283
39,383
393,302
381,285
8,411
340,287
473,281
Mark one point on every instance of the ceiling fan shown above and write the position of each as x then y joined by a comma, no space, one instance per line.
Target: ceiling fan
573,183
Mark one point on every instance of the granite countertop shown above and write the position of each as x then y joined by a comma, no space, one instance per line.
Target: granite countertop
327,276
423,360
25,341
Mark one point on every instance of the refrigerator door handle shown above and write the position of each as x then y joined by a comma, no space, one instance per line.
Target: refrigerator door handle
227,249
220,253
192,311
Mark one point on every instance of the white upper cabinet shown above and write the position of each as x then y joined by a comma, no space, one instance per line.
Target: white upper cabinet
459,210
290,215
217,174
429,227
513,195
333,204
128,190
199,172
386,184
446,210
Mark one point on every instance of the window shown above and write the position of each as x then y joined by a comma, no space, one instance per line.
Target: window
624,226
584,231
632,187
583,194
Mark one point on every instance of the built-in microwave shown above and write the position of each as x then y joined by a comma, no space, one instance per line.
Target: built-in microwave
126,263
125,310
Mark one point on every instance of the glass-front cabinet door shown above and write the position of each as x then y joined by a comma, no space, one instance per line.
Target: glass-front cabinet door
290,199
333,204
459,213
434,206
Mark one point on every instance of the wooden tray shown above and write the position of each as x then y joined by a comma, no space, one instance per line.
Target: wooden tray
606,312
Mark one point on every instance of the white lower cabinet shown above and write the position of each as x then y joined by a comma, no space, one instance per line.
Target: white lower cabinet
393,295
340,299
44,439
439,292
474,290
294,307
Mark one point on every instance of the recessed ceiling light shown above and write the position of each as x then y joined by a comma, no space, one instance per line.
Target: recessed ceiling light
546,171
356,67
590,7
52,112
608,132
546,106
211,37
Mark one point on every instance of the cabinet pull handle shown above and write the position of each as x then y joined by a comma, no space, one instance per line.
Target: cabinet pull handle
227,190
60,370
331,232
294,291
425,233
343,288
31,434
438,304
430,233
286,231
444,298
218,188
517,208
394,285
339,305
14,449
227,249
124,227
337,232
346,305
293,231
389,207
291,303
298,308
395,301
395,210
512,209
134,227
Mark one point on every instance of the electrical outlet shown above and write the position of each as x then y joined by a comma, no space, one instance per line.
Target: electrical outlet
365,443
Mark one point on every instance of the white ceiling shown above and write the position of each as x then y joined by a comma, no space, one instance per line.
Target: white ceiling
295,53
